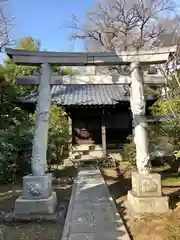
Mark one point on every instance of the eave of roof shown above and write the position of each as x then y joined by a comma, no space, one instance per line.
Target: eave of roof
87,94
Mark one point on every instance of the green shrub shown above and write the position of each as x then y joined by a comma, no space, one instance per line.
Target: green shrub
16,142
15,148
58,134
161,148
129,151
155,148
67,172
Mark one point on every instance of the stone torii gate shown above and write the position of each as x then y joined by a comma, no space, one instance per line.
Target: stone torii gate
37,196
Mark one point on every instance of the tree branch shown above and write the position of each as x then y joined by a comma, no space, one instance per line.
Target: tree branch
5,26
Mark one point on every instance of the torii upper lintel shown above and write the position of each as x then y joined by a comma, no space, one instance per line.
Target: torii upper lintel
156,56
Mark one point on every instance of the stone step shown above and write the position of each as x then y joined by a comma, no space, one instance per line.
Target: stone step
85,158
91,154
86,147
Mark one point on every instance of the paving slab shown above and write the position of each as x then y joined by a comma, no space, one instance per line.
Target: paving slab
81,237
92,214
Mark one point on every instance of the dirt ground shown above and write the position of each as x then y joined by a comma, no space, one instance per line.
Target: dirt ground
34,230
163,227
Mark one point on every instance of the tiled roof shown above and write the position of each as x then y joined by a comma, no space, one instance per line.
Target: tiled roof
86,94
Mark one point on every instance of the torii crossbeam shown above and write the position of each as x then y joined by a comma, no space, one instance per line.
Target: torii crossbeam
157,56
91,79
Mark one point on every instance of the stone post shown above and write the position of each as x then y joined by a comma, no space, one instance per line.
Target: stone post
37,195
146,195
39,158
70,135
103,135
138,105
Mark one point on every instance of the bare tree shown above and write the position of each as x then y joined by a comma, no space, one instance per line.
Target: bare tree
5,25
124,24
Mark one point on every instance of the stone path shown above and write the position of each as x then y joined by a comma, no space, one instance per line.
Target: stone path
92,214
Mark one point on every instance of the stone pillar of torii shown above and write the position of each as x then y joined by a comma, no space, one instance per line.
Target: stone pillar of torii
37,188
138,106
43,109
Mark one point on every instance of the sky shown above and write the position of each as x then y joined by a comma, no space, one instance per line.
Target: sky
45,20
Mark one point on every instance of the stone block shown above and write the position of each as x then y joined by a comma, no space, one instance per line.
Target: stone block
146,185
37,187
144,205
81,236
35,206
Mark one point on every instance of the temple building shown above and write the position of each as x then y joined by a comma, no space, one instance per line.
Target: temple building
98,110
99,115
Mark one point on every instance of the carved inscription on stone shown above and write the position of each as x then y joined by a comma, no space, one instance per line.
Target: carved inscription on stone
149,185
34,189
